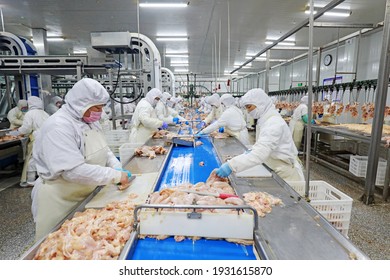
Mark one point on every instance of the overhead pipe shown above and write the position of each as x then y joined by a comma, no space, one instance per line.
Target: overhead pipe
328,7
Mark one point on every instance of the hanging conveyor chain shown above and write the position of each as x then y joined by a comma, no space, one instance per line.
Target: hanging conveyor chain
51,65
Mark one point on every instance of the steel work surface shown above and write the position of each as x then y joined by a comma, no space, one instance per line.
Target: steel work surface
295,230
183,167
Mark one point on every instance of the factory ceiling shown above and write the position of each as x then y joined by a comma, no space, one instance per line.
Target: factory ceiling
219,34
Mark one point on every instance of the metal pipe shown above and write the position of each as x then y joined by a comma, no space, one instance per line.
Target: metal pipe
337,55
310,96
328,7
2,19
267,68
380,103
355,67
112,102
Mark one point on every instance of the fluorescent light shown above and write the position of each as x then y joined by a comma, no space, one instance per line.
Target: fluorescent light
163,5
275,39
281,43
333,13
257,58
253,54
179,64
172,38
79,52
55,39
177,55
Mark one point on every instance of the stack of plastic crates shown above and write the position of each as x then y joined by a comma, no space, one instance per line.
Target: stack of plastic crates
115,138
358,167
331,203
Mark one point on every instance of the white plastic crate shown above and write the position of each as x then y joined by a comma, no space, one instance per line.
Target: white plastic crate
115,138
331,203
126,151
358,167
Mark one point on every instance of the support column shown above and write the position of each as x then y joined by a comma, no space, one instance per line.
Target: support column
40,43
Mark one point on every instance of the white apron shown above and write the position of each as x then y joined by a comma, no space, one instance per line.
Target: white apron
297,133
28,159
54,199
288,171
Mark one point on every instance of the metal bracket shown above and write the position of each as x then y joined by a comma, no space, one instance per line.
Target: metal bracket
194,215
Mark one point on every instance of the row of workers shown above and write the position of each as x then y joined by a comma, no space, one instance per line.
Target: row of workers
72,156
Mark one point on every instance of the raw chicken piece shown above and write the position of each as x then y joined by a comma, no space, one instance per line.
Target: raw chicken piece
147,151
198,143
214,178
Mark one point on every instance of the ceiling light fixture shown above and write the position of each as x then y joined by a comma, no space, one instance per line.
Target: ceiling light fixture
164,5
333,13
172,38
281,43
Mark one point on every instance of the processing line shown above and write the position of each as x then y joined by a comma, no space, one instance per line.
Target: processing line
292,231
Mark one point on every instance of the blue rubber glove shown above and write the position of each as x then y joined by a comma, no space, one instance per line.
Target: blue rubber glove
164,126
175,120
200,125
221,129
187,123
124,170
320,115
224,170
313,122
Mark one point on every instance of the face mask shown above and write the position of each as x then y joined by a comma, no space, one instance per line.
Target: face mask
93,117
170,103
255,113
24,110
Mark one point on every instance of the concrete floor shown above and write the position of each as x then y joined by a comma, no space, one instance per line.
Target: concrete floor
369,228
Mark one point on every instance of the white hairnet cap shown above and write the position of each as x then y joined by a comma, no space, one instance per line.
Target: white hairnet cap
305,99
22,103
56,99
152,94
34,102
227,100
166,96
259,98
85,94
214,100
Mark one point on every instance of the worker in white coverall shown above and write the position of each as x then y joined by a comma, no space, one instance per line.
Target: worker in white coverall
16,114
72,156
165,112
32,122
216,109
274,146
231,121
298,119
145,122
55,104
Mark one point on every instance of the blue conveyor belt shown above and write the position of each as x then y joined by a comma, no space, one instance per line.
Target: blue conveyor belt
203,249
183,167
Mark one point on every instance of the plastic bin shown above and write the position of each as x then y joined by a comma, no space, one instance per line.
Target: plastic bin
126,151
115,138
331,203
358,167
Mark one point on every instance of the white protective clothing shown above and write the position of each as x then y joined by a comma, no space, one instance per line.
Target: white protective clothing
145,122
32,122
216,109
165,112
296,123
15,115
178,106
274,145
232,120
71,156
52,107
